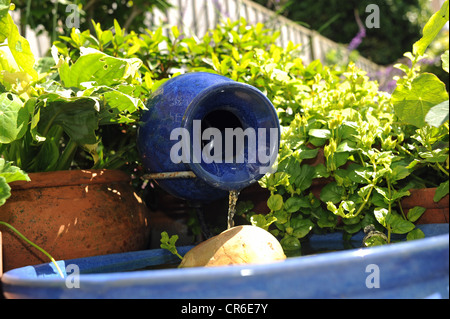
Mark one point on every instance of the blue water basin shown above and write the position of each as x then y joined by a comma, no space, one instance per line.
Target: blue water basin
412,269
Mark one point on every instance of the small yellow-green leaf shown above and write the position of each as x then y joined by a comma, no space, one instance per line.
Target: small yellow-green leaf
175,32
275,202
117,29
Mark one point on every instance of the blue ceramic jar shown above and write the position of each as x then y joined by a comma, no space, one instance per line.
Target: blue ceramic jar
189,126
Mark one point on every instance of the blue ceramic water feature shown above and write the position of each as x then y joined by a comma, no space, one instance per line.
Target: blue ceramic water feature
194,102
413,269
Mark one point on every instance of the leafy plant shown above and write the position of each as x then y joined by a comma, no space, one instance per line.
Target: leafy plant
59,116
169,243
369,147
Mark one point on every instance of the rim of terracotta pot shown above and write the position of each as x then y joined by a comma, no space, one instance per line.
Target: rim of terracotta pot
71,177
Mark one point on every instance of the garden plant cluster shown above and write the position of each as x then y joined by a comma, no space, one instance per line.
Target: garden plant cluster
80,108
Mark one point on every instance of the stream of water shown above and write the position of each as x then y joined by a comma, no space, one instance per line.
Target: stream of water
232,199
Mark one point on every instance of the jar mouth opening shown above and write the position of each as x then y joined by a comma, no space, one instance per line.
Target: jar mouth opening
229,126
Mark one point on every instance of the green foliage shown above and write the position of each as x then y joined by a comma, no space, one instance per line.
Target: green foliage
169,243
58,119
337,127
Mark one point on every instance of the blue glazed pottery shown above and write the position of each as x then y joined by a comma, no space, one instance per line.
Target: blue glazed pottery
412,269
173,135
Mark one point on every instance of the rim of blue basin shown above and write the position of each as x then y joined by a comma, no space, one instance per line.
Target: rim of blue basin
410,269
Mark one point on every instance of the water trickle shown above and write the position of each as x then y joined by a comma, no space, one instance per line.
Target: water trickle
232,200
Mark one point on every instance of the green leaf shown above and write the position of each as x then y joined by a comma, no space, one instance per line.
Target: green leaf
78,116
169,243
431,29
306,153
290,243
117,106
399,225
380,215
303,177
345,147
332,193
441,191
275,202
435,156
326,218
48,156
11,173
415,234
175,32
444,59
415,213
438,114
5,190
98,67
282,218
301,227
13,118
293,204
262,221
345,205
20,49
117,29
353,228
399,172
351,221
271,181
412,103
320,133
5,26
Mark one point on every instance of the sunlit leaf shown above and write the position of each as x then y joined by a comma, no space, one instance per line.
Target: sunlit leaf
411,104
20,49
13,118
431,29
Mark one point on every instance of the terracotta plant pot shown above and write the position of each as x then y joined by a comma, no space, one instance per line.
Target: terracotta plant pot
73,214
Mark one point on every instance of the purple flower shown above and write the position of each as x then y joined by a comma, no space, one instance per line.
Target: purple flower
356,41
